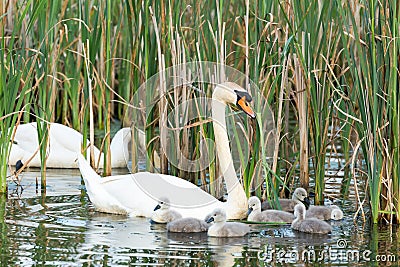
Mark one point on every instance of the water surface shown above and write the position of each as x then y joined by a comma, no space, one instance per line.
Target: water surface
62,228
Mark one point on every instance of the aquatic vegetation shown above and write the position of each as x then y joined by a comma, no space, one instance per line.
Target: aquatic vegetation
372,55
328,70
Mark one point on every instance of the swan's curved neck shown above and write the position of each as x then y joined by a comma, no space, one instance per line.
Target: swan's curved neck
222,144
234,188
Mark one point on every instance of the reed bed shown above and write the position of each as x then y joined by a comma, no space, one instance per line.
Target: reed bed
327,69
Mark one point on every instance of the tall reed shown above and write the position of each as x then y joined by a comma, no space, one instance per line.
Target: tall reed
48,38
328,69
372,53
16,77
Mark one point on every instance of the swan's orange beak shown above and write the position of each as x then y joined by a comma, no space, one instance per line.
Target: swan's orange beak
245,107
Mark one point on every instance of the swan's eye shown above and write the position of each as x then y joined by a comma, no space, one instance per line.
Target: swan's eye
161,202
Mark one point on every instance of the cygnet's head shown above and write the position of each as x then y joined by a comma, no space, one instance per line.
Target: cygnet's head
337,214
300,194
163,204
300,211
218,215
254,203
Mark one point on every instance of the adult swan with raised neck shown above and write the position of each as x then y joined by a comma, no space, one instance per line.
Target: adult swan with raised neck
137,194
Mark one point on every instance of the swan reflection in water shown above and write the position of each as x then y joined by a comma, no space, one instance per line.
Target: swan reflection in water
137,236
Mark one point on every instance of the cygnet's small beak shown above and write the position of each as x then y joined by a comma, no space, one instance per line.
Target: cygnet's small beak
250,210
211,219
157,207
306,202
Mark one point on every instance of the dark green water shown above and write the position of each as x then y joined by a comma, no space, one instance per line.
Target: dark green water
63,229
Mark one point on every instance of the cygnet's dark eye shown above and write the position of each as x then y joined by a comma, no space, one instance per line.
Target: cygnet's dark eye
161,202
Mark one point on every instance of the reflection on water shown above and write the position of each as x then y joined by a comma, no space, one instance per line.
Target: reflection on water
63,229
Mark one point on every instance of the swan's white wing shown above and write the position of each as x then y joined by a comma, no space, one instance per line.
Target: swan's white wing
139,193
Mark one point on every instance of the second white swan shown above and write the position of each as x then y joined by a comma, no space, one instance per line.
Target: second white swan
64,144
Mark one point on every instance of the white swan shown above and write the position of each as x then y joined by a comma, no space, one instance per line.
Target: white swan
137,194
64,144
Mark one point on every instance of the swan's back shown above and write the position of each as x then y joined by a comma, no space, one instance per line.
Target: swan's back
187,225
64,144
138,193
147,187
65,137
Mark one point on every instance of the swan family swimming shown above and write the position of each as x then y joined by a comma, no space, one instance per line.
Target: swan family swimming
137,194
183,206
